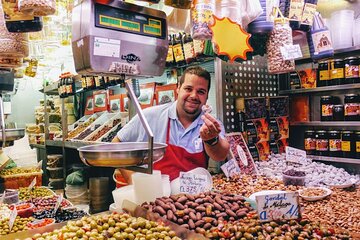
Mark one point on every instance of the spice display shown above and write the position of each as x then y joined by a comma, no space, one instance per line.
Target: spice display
351,70
310,142
201,16
87,132
352,107
104,129
118,226
334,144
280,36
322,143
201,211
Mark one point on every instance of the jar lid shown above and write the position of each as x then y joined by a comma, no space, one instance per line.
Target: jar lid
309,131
340,105
350,58
334,132
326,96
351,95
338,60
323,61
347,132
320,131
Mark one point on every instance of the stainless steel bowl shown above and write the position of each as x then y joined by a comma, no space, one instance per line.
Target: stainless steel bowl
119,154
13,134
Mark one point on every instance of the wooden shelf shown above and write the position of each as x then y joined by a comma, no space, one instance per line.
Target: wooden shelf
326,124
320,89
334,159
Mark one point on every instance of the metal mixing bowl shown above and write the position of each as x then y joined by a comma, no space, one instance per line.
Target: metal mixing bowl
122,154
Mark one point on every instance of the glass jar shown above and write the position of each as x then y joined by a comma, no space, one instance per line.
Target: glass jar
310,142
326,108
337,67
351,70
338,113
322,143
352,107
279,37
323,74
201,16
347,144
334,144
357,144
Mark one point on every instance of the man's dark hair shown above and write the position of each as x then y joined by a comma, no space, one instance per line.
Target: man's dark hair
198,71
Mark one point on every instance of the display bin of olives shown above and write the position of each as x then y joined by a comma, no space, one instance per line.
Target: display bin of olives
20,177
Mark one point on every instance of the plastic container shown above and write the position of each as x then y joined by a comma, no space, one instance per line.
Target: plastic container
11,196
54,160
37,8
24,210
334,144
292,180
279,37
41,223
342,28
57,172
352,107
16,181
123,193
264,24
56,183
119,179
347,144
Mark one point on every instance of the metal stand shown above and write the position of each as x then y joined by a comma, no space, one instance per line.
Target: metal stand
148,130
2,122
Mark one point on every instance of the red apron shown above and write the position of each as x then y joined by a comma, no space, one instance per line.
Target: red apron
176,159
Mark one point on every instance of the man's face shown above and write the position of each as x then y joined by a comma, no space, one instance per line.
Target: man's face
192,95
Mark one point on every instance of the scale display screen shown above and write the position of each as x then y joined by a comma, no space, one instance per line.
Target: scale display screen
129,21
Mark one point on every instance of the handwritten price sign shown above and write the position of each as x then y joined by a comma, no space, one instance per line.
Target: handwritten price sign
278,206
193,183
294,155
231,168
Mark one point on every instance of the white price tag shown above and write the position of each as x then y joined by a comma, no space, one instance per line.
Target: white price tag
125,68
12,218
231,168
32,184
291,52
107,47
278,206
58,203
294,155
2,197
193,183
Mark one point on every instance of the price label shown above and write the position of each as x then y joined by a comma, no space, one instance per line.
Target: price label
294,155
125,68
32,184
58,203
231,168
291,52
278,206
12,219
193,183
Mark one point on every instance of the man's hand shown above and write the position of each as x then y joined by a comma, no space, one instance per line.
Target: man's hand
211,127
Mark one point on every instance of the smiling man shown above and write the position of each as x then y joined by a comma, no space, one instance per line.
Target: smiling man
192,136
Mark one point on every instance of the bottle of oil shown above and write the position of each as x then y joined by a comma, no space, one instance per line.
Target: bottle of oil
178,50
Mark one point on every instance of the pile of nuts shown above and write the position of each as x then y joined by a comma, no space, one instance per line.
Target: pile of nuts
246,185
341,210
113,226
313,192
202,211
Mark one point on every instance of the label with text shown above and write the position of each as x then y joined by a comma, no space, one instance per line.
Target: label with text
58,203
2,197
291,52
107,47
193,183
294,155
32,184
231,168
278,206
12,218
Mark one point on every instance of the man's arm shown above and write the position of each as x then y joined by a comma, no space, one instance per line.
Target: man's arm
216,147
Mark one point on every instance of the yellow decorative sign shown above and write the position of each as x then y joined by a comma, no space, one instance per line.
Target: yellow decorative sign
230,39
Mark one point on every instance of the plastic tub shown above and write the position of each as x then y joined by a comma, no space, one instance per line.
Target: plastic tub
54,160
123,193
11,196
292,180
57,172
24,210
342,28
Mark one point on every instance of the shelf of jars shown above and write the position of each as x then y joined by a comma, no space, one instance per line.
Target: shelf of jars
320,89
326,124
335,159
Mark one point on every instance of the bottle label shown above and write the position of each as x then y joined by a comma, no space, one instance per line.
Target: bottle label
199,46
324,75
202,11
310,144
178,53
83,82
327,110
296,8
322,42
352,109
308,14
357,146
351,71
69,89
334,145
170,55
337,73
345,146
97,81
189,50
322,144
